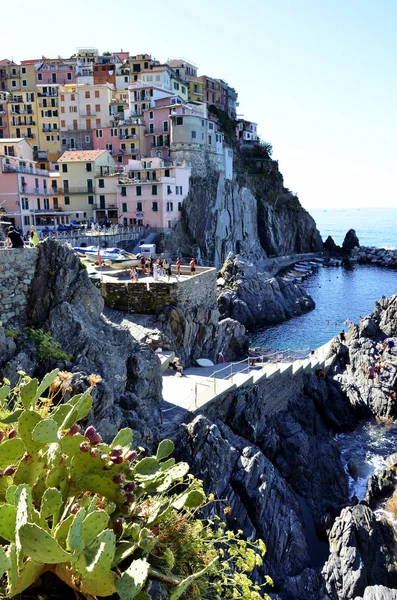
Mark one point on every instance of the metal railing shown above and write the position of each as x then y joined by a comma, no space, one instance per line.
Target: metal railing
77,190
29,171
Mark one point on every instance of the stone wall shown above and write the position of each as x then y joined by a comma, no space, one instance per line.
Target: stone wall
17,269
201,160
149,298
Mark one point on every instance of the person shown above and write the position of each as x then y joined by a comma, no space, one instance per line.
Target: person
342,336
14,239
142,261
133,275
193,266
311,355
389,344
155,272
361,319
176,366
371,373
147,267
34,238
178,266
151,264
167,270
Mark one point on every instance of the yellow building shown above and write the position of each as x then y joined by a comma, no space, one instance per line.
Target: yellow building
48,121
22,116
196,93
28,74
83,177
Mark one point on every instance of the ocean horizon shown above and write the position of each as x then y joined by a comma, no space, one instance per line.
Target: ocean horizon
373,226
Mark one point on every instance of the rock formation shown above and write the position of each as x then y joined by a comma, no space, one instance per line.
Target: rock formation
250,296
350,242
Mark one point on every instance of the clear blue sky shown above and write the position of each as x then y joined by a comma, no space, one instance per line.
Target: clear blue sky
318,76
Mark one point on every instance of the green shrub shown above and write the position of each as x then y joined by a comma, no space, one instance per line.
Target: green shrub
48,349
12,333
100,516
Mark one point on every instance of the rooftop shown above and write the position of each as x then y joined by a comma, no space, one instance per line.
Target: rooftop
81,155
11,140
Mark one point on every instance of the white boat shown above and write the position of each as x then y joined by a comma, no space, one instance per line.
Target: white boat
83,251
124,262
204,362
107,254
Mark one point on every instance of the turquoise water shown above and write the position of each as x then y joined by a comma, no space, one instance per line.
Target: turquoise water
339,294
374,226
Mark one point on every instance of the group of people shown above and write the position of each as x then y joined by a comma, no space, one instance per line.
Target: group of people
381,367
16,240
160,268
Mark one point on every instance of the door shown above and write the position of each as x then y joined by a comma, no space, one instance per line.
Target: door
90,187
54,77
72,143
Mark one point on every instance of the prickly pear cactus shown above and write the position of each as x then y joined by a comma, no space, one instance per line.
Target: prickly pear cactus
102,517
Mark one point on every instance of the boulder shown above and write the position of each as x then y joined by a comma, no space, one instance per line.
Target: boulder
360,550
330,246
350,242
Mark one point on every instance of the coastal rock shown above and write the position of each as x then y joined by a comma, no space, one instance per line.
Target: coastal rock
253,298
360,549
308,585
253,215
330,246
379,592
350,242
64,302
262,503
380,485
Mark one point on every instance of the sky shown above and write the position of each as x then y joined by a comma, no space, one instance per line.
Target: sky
318,76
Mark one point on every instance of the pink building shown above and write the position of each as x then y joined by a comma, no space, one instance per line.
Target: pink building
246,131
124,140
4,125
152,192
26,193
57,70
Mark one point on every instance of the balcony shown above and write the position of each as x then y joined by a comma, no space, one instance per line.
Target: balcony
53,94
163,144
25,111
19,169
15,99
77,190
34,191
156,132
92,113
100,207
40,155
128,137
43,104
48,130
29,135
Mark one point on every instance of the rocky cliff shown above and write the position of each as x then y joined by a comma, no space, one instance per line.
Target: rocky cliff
253,215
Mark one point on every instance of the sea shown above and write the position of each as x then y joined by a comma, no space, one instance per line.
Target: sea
340,294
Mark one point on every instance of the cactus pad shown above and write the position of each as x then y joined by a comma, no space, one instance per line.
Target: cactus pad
74,541
41,546
10,452
123,438
51,502
45,432
133,579
165,448
93,525
8,517
106,546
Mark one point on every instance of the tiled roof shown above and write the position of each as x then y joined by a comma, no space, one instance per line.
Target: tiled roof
81,155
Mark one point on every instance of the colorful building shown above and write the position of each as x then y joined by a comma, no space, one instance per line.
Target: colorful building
22,116
151,192
4,129
124,140
28,74
27,194
48,121
86,184
246,131
56,71
10,76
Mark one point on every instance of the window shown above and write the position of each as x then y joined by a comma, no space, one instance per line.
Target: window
24,83
139,190
101,183
183,89
123,190
169,190
151,127
139,206
64,168
88,167
145,65
124,207
97,108
38,204
87,94
46,203
69,76
165,126
62,97
23,70
151,114
26,220
170,207
72,97
39,76
63,124
179,206
55,203
176,85
96,93
113,133
193,135
125,79
166,173
177,190
99,133
210,139
155,206
62,110
13,83
87,139
179,120
180,190
90,199
154,190
102,201
25,204
210,126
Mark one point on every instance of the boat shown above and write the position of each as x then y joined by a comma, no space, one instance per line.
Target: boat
83,251
124,262
204,362
107,254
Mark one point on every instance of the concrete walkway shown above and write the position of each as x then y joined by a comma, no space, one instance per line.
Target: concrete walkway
201,385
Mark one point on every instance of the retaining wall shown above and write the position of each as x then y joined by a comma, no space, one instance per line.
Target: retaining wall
149,298
17,269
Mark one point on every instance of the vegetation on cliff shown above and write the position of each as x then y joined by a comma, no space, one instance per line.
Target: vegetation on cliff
102,517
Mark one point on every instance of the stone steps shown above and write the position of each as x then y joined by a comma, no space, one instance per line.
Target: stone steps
240,379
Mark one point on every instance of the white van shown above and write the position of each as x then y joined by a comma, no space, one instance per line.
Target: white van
148,250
